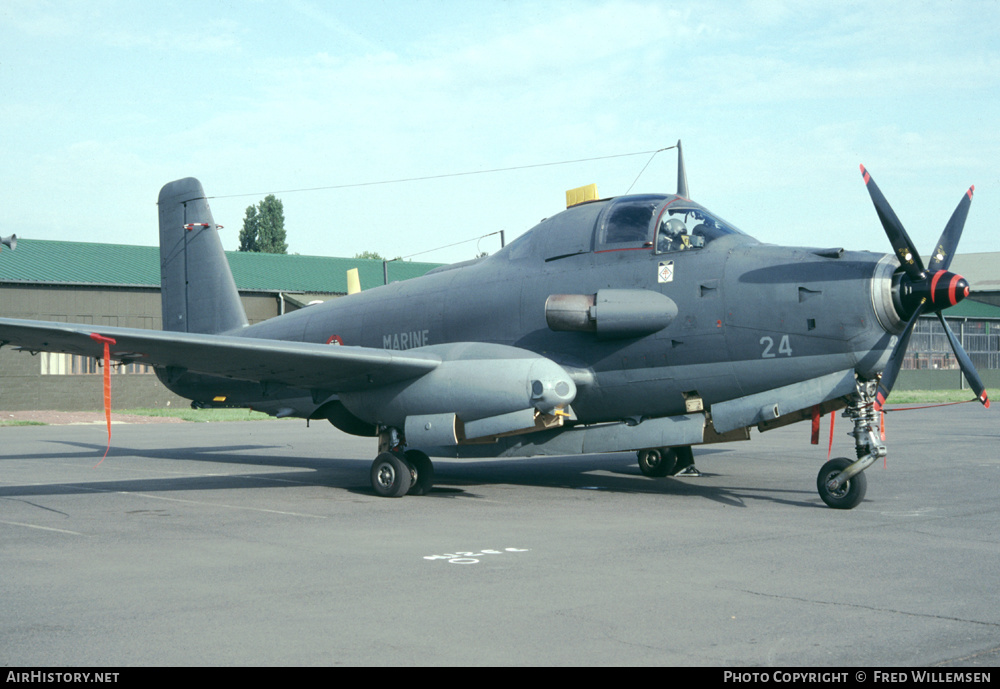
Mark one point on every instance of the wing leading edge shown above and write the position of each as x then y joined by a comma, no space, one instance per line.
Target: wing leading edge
303,365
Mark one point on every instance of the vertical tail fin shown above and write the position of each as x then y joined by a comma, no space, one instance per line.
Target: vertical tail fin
198,293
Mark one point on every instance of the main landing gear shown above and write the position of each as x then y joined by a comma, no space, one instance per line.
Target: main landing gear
667,461
396,473
840,482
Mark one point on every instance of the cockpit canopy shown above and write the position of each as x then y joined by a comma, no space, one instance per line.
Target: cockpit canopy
657,222
663,223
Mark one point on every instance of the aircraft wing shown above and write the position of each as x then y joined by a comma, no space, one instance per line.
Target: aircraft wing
301,365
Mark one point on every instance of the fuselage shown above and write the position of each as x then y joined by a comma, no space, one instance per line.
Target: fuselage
749,316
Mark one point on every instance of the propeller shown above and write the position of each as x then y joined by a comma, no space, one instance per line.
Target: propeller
925,289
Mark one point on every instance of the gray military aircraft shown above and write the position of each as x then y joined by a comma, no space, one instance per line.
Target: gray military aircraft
638,323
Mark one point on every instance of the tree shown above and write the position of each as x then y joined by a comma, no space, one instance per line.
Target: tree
264,227
248,235
378,257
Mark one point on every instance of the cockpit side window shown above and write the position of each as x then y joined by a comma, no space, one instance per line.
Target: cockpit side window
683,228
628,223
565,234
520,248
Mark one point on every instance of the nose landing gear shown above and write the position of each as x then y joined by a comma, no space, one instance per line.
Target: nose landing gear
840,482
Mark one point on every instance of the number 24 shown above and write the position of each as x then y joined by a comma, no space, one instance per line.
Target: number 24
784,347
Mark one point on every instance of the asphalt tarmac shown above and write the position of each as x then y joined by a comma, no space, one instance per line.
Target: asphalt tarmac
262,543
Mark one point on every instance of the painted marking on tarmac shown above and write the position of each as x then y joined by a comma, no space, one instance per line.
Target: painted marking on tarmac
218,504
43,528
193,502
463,557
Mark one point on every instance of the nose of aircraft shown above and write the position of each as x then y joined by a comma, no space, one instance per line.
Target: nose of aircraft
939,290
948,289
930,289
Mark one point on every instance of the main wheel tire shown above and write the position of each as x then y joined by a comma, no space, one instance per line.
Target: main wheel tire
657,461
391,475
425,472
684,457
848,495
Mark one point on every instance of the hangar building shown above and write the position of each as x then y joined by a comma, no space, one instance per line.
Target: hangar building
119,285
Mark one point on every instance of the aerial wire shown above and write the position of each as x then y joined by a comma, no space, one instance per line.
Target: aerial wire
647,165
457,174
452,174
447,246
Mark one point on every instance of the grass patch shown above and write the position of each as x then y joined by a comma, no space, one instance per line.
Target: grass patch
15,422
929,396
201,415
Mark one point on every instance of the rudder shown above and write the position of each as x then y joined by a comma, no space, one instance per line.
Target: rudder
198,293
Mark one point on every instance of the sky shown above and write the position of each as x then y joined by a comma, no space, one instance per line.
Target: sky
102,102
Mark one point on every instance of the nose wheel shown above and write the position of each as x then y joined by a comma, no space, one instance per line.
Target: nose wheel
845,496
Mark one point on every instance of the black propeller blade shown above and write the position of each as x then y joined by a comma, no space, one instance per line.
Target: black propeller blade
905,251
965,362
932,289
892,369
946,245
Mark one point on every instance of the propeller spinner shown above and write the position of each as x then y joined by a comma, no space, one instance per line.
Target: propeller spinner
921,289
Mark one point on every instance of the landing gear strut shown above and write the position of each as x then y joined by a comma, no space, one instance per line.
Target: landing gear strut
396,473
840,482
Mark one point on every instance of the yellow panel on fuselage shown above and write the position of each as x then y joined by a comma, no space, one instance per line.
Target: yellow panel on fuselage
575,197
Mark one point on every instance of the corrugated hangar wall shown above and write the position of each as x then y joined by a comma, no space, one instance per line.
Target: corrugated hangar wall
60,382
118,285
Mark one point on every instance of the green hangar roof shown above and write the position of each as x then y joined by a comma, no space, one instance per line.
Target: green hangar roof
48,262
